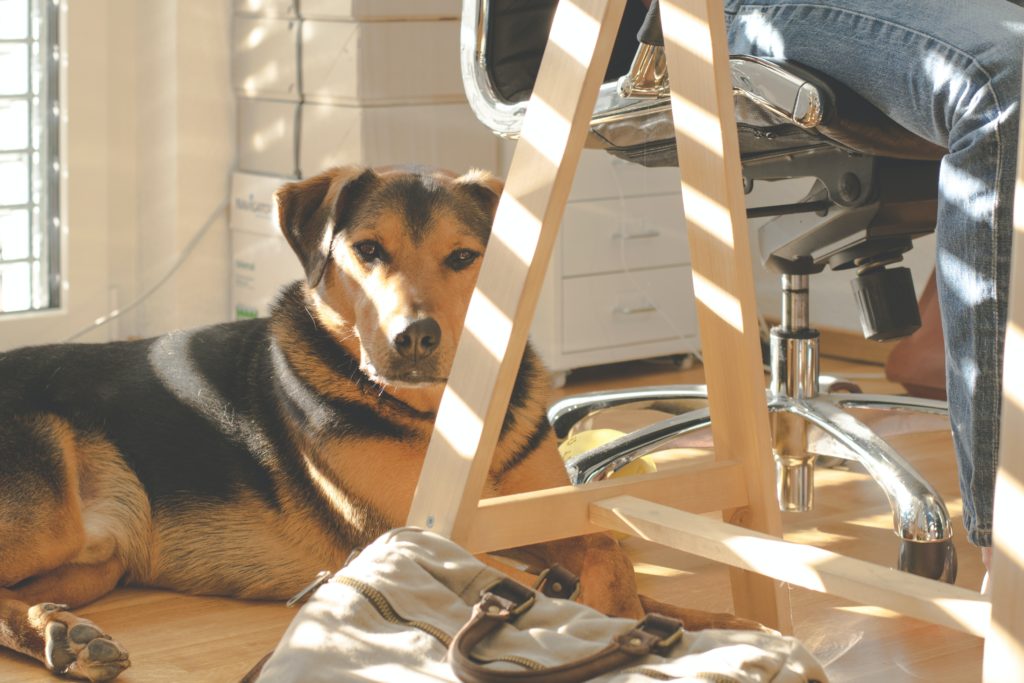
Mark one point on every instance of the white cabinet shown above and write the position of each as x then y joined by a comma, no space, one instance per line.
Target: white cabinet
618,287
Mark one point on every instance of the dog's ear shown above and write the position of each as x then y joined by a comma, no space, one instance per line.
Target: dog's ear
483,187
311,211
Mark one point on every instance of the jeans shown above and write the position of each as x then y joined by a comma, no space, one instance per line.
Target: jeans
949,71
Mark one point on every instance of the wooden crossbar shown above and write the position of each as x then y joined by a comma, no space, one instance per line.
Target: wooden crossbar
511,521
798,564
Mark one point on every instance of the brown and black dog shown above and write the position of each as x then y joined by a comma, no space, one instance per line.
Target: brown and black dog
241,459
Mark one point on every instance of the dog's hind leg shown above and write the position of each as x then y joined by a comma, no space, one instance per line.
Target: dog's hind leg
67,514
49,632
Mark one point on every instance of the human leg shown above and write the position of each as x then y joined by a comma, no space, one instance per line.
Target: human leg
950,72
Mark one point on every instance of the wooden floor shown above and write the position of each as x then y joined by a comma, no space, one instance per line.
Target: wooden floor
179,638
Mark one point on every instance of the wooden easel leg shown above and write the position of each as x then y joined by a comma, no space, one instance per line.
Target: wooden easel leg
1004,645
706,139
523,236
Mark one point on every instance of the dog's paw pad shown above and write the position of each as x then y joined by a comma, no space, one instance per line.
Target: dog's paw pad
83,633
83,650
58,655
102,660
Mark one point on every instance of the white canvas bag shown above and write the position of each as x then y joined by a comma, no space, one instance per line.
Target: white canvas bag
393,613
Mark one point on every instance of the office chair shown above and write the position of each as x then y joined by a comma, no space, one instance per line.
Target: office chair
874,191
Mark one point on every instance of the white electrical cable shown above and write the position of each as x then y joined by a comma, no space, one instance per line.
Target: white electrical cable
182,257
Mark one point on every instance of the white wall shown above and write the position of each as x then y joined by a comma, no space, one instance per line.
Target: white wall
184,149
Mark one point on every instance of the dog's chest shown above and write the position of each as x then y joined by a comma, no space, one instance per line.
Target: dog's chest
370,482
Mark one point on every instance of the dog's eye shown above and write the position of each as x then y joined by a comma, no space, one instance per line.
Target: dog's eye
370,251
462,258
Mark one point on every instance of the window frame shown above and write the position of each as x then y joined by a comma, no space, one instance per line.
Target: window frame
81,233
42,107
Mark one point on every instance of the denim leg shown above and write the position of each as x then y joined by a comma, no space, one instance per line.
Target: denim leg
950,71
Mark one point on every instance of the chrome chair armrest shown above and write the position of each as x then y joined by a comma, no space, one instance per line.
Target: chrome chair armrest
784,93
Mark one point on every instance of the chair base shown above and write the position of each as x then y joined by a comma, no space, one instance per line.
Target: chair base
920,518
805,424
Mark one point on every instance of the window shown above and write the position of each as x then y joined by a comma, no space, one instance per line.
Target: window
30,277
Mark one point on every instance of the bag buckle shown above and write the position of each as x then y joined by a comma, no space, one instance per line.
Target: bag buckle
558,582
669,630
654,633
506,600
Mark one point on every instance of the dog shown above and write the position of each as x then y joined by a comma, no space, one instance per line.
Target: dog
242,458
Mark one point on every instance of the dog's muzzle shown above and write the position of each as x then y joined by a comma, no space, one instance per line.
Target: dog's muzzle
418,339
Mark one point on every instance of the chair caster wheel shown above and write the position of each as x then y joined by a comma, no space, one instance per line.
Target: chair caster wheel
935,560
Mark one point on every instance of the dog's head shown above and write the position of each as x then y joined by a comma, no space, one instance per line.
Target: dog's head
392,254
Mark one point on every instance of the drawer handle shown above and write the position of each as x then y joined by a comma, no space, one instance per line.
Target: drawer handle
634,310
647,234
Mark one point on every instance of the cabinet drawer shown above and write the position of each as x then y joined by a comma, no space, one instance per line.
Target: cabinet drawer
602,311
623,234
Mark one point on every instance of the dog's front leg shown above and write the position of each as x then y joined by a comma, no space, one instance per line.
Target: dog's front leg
65,643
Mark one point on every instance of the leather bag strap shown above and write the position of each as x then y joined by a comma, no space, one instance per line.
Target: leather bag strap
507,600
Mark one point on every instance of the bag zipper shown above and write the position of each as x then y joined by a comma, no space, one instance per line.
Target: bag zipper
387,611
384,608
700,676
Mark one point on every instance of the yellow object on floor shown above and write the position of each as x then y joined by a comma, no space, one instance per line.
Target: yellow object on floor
584,441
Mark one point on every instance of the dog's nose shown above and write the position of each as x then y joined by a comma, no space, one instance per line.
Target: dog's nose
419,339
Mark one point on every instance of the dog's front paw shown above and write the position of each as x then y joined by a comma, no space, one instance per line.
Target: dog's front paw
77,647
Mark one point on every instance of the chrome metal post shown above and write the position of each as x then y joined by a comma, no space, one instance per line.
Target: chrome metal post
794,376
796,314
794,364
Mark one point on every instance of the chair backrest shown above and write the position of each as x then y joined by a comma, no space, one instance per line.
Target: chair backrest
502,45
